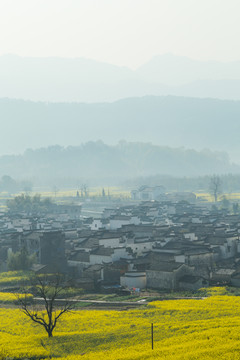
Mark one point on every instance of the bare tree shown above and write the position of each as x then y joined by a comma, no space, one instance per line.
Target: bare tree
45,290
84,190
215,186
55,190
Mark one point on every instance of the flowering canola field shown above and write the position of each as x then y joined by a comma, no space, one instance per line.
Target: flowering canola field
12,298
183,329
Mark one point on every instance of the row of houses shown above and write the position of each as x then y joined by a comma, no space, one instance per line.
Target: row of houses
164,245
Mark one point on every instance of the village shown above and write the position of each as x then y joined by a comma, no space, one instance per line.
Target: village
173,243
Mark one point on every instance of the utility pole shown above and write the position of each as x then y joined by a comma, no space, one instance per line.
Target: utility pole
152,335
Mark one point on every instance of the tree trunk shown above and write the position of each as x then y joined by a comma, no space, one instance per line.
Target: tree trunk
50,333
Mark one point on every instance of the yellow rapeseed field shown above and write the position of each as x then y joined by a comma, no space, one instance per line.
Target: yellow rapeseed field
6,297
183,329
113,191
209,198
13,277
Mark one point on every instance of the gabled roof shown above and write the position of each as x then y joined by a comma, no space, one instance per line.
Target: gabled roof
81,256
103,251
225,271
216,240
165,266
120,217
197,251
190,279
178,244
95,267
90,243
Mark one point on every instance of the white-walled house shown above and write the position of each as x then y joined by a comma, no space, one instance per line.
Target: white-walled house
101,255
116,222
146,193
96,225
113,242
134,279
191,236
141,246
108,255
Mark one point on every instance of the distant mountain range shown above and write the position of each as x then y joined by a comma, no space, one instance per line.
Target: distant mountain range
165,121
100,164
179,70
84,80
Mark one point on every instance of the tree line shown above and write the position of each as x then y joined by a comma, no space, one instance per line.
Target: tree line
230,183
100,164
29,204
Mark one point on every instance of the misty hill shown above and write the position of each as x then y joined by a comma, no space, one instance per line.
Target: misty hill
166,121
83,80
220,89
104,164
178,70
63,79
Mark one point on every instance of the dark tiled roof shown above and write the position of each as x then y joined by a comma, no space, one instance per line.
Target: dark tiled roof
82,256
90,243
101,250
189,279
166,266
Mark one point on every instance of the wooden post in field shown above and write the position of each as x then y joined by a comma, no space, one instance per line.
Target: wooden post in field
152,335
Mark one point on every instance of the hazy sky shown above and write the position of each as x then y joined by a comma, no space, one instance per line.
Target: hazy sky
123,32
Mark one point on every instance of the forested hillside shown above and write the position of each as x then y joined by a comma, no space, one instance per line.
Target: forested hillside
111,164
165,121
